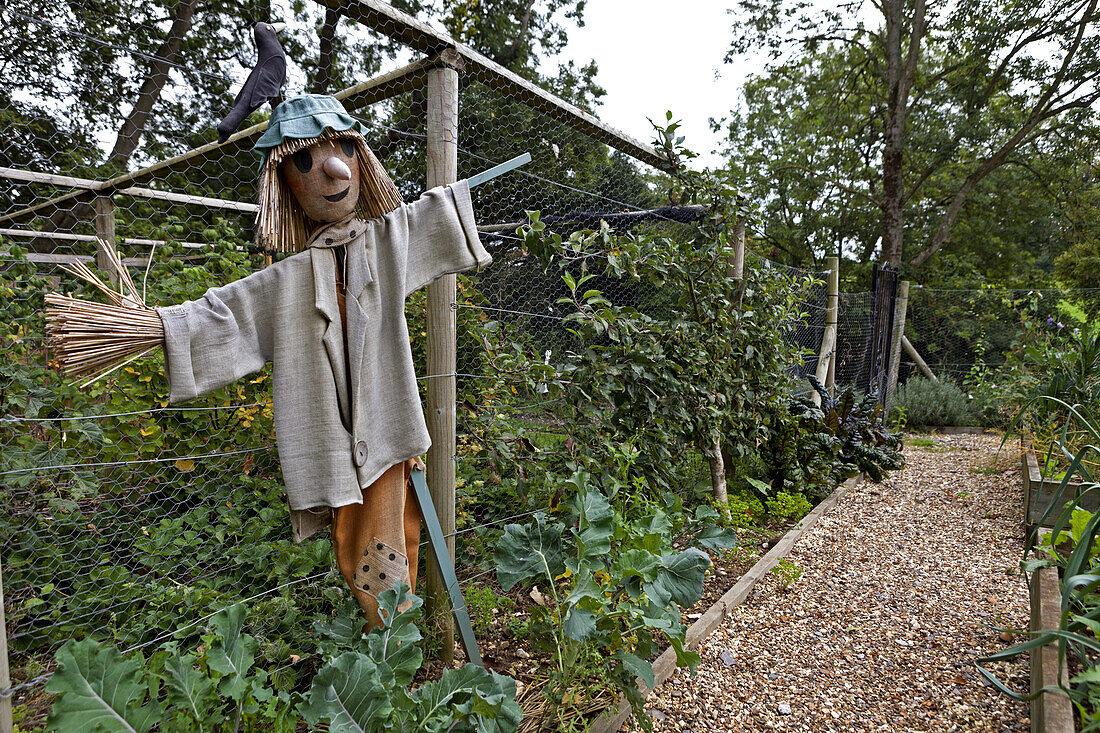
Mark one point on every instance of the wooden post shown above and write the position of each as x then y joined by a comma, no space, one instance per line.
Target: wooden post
901,303
6,724
921,363
827,353
736,268
105,235
442,89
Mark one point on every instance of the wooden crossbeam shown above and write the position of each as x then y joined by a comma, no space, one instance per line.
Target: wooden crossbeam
88,184
404,28
368,92
68,237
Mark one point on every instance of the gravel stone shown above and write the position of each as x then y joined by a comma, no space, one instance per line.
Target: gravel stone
903,586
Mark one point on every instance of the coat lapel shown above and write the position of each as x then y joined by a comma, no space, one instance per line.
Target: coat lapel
324,285
359,276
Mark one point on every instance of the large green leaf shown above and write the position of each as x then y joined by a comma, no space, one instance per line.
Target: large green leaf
189,690
348,694
595,524
98,690
467,699
529,553
679,578
713,537
579,623
637,667
230,652
393,646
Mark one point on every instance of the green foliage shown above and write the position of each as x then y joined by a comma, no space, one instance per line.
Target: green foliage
686,358
613,586
966,114
787,506
484,605
744,508
787,572
817,447
363,685
1075,553
934,403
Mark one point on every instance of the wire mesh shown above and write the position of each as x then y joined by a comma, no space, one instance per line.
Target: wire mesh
128,519
962,333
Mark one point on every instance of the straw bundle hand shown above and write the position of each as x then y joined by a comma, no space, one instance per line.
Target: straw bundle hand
97,338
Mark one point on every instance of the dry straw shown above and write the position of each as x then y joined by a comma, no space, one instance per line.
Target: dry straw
97,338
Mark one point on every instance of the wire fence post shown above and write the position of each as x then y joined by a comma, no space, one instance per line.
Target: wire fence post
901,304
442,148
826,356
105,236
6,724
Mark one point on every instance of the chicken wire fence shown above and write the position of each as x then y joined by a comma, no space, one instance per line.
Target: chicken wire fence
133,520
965,336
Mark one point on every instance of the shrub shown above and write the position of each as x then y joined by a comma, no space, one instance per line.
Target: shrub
744,508
934,404
788,505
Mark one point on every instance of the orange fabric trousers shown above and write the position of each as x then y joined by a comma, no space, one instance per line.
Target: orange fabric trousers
377,542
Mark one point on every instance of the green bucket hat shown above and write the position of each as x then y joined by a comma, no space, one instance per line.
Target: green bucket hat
305,116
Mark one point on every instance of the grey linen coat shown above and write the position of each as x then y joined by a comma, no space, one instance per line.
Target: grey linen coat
288,314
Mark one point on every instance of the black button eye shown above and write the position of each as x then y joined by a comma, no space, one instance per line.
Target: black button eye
348,147
303,160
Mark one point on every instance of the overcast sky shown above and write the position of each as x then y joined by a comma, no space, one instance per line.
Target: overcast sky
655,55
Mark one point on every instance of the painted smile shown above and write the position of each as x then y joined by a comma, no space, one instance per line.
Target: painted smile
337,196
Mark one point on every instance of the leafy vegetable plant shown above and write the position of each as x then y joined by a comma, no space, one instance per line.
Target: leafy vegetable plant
363,685
614,590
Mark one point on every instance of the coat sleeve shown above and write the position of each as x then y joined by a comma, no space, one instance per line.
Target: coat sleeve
219,338
442,236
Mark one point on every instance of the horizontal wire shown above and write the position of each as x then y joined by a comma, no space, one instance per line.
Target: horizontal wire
151,411
134,462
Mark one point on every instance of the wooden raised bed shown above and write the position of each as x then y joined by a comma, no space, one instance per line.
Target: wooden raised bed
1052,711
613,718
1039,493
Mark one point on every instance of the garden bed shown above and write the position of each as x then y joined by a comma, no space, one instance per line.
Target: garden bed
1038,493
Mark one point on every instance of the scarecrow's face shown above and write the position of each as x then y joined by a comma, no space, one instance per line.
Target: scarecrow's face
324,178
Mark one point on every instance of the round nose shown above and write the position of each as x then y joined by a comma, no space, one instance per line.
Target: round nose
337,168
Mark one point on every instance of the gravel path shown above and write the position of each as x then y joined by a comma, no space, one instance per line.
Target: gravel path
900,585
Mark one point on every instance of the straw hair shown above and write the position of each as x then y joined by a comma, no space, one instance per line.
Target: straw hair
98,338
282,225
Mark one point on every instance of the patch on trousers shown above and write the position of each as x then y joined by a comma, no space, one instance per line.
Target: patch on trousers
380,568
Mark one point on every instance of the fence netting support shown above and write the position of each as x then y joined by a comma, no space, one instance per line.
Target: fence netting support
442,153
901,303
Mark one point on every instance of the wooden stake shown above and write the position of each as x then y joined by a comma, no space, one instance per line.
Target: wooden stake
826,355
105,234
442,91
901,304
921,364
6,723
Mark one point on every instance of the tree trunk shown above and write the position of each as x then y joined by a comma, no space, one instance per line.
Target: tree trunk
718,476
324,58
130,133
899,78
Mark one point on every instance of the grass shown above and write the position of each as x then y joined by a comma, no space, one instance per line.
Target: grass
927,444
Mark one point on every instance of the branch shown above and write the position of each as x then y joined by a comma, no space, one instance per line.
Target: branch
843,187
1040,111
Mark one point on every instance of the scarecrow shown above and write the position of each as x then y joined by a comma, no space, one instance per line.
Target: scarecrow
331,319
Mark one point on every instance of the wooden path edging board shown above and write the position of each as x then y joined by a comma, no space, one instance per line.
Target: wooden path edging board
1039,493
1052,711
665,664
